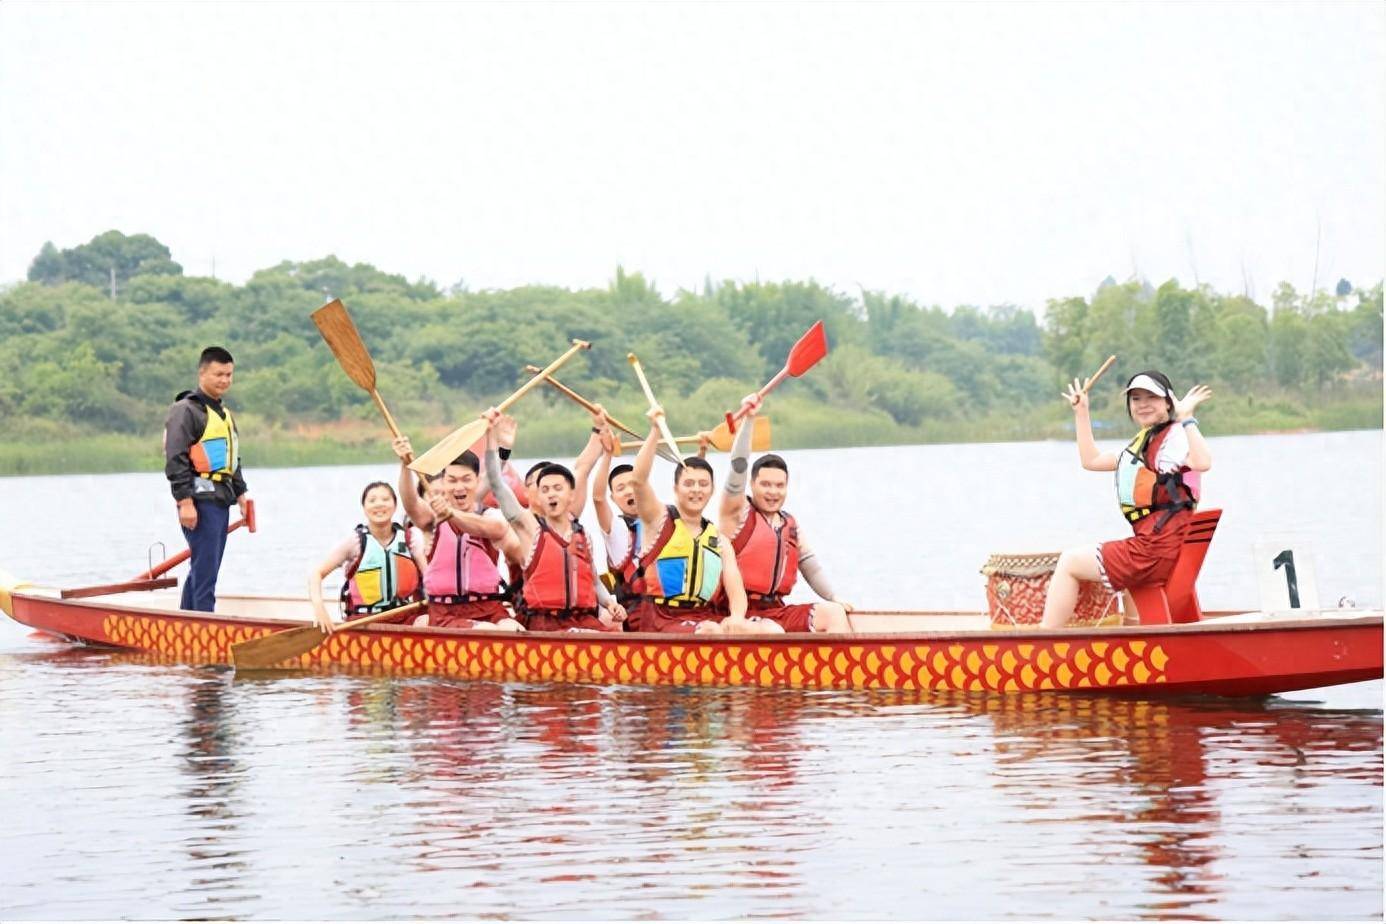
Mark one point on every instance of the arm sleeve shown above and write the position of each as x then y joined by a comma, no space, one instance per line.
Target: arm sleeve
740,459
237,480
179,435
509,504
812,570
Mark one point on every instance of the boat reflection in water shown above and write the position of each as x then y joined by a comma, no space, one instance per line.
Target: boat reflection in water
315,795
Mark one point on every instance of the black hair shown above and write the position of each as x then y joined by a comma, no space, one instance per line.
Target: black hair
214,354
769,461
693,462
534,468
553,468
618,470
379,484
1164,382
469,460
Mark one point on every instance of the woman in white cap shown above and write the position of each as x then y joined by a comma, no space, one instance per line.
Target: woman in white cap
1157,482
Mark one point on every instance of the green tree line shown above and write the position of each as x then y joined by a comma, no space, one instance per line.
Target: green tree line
102,336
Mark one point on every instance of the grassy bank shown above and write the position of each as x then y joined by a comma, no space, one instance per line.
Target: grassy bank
42,447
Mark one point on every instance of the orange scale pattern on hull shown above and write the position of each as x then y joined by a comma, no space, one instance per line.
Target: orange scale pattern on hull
1012,666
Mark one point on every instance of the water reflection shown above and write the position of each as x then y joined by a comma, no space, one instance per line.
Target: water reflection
214,773
428,798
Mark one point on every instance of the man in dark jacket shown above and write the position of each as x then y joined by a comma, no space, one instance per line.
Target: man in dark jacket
202,461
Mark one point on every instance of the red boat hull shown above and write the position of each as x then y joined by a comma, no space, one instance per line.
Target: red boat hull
1233,659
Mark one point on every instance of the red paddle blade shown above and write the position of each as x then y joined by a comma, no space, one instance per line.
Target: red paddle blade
250,515
805,354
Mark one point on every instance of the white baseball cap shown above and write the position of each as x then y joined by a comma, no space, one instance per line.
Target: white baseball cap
1149,384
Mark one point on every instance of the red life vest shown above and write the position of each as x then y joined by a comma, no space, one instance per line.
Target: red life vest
461,567
768,558
383,576
560,574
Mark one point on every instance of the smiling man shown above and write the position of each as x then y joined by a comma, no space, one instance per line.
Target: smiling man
202,461
561,591
770,549
687,570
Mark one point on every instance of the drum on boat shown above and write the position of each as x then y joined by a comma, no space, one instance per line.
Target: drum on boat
1017,584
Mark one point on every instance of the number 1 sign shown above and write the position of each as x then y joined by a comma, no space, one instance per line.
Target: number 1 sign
1285,575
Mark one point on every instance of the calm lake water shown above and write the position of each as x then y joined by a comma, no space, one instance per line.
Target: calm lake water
129,790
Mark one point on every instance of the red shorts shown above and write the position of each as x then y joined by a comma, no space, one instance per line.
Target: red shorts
563,621
793,617
1147,557
465,615
651,617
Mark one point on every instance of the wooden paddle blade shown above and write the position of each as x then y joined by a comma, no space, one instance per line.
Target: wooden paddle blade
337,328
269,650
760,436
449,448
811,347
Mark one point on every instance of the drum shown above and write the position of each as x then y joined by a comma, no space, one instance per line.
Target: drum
1017,584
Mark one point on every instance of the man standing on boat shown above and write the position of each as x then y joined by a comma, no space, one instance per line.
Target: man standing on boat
770,549
202,461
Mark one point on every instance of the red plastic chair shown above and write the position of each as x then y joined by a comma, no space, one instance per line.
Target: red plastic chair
1176,600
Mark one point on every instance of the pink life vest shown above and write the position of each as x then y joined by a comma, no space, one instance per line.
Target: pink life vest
461,567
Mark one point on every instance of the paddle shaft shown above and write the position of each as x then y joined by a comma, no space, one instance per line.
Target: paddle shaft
278,647
173,561
446,449
591,408
1099,373
660,422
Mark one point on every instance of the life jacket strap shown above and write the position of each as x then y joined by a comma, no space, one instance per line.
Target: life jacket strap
452,599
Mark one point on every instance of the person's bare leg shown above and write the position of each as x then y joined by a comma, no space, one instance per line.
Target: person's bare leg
829,617
1075,565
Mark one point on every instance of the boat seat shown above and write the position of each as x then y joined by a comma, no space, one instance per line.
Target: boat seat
1176,600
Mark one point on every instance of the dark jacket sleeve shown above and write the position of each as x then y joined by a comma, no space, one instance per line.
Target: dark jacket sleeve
181,430
237,481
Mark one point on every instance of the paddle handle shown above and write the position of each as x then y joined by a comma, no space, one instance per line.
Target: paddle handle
376,617
579,400
649,396
385,412
544,373
1099,373
765,389
173,561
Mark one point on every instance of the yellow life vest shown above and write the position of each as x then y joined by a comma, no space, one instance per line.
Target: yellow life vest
681,570
216,455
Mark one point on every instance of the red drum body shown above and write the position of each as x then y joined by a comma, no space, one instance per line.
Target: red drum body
1017,585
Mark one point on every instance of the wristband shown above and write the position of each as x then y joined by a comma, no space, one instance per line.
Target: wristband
503,453
1189,422
597,430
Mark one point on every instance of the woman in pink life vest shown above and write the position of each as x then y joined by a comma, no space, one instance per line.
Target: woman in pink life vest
1157,486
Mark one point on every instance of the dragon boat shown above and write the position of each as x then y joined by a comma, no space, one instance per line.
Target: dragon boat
1227,654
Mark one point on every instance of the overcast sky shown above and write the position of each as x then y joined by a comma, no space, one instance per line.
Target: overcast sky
971,153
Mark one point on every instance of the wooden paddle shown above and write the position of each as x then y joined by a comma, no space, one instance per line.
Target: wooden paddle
337,328
662,423
452,445
1098,374
591,408
722,437
803,356
344,340
173,561
262,653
